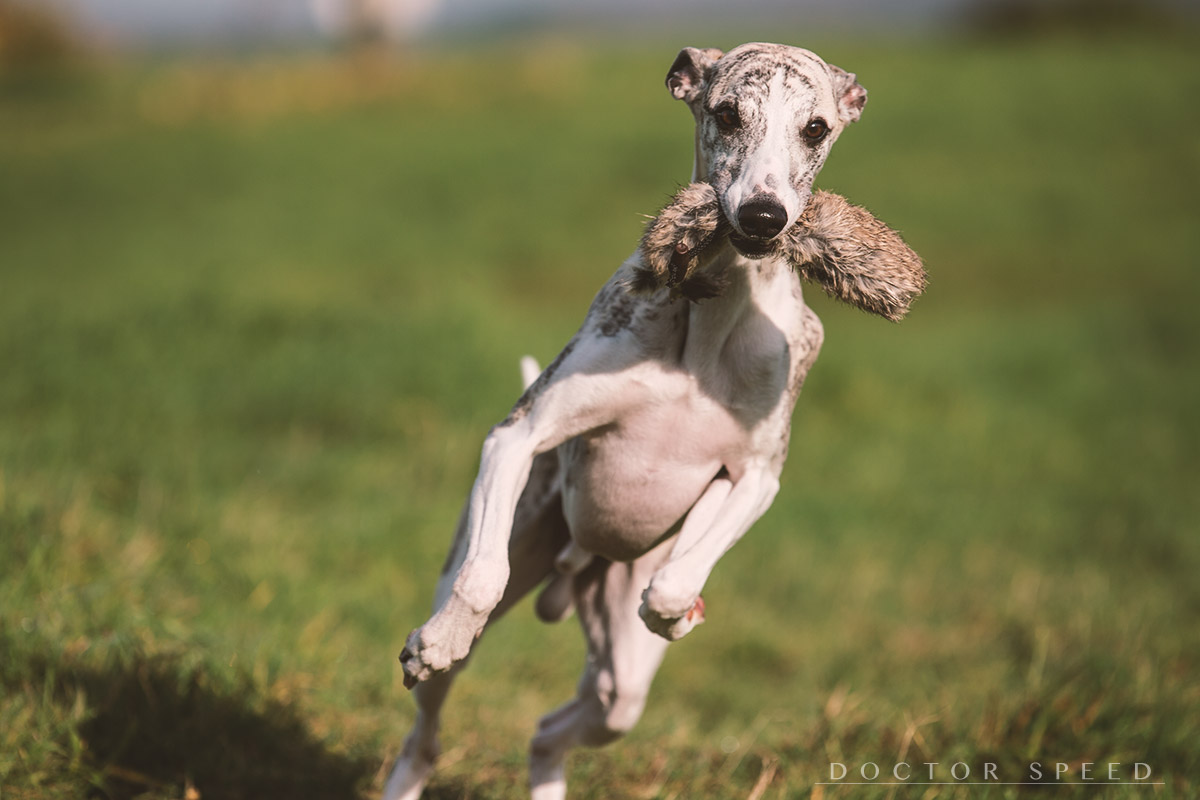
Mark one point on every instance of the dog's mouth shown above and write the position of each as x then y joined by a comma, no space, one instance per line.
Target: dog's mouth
752,247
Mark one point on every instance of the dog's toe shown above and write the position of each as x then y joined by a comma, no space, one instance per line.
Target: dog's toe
433,649
408,662
414,661
673,628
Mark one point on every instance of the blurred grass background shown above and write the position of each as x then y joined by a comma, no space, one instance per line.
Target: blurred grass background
257,313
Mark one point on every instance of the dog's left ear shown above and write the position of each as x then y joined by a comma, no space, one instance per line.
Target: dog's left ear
851,96
687,75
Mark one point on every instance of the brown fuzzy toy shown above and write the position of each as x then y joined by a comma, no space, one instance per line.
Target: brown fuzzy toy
843,248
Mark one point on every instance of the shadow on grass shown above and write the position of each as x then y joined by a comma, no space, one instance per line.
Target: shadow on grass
155,728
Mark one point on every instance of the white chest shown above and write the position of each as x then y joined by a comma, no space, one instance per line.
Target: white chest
723,403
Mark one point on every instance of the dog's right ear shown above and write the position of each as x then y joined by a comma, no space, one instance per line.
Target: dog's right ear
687,75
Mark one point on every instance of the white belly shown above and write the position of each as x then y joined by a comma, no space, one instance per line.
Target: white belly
627,486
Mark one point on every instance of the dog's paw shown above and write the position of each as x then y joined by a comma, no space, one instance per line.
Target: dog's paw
426,654
416,661
670,620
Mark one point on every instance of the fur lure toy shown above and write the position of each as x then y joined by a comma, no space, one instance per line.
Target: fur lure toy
843,248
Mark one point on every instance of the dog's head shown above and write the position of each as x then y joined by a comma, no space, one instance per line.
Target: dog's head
766,117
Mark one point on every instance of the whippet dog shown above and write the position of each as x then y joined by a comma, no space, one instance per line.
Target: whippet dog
656,438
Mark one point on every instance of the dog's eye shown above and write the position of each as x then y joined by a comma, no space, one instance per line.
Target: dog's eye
815,131
727,117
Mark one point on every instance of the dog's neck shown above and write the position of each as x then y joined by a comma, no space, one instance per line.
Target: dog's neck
751,289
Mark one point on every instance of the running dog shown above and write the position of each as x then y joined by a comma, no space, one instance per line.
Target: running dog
656,438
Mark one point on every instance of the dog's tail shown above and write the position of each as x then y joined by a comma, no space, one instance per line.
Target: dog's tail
529,371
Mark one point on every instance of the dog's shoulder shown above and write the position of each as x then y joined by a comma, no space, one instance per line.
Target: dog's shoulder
620,316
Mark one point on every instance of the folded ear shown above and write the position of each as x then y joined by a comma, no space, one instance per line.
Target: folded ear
687,75
851,96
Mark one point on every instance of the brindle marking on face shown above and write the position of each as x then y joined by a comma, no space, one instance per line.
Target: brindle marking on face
776,90
730,72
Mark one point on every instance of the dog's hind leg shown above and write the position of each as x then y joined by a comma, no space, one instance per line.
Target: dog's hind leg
623,656
539,535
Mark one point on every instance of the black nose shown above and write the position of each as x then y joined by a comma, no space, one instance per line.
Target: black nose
762,217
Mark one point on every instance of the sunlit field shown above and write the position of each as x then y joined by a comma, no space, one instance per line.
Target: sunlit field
256,317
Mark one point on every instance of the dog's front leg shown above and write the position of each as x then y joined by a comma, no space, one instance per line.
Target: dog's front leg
722,515
482,571
586,387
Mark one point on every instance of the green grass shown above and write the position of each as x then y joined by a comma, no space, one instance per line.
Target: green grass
256,318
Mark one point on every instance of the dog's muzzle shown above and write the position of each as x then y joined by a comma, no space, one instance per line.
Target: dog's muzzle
761,219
